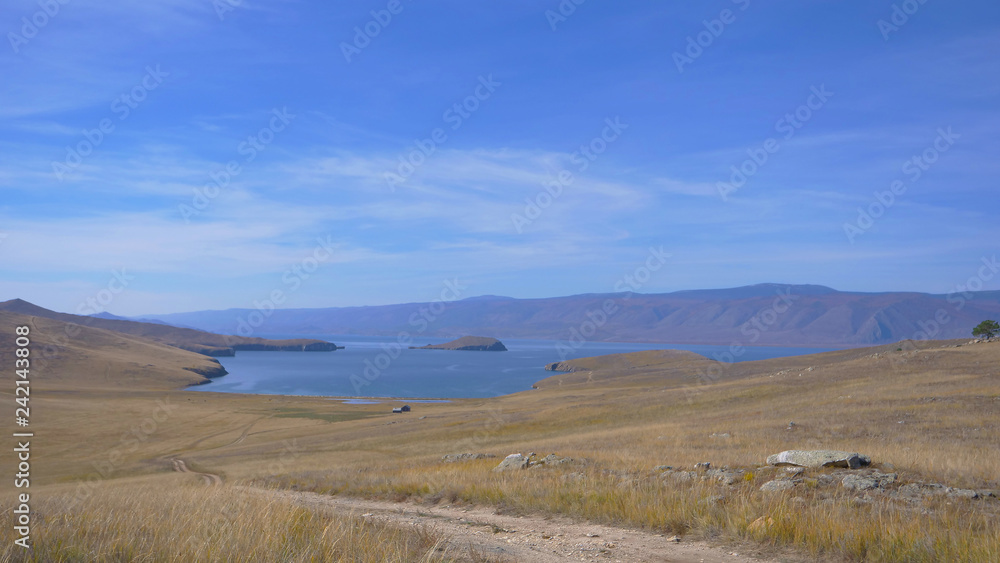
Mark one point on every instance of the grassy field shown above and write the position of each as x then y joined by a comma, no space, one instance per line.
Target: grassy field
105,485
172,519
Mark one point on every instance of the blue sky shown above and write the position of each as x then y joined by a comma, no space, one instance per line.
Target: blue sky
205,89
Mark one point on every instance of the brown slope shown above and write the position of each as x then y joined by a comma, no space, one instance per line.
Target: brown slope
749,316
467,343
687,369
69,356
184,338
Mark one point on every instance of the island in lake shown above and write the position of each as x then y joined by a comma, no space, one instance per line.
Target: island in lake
470,343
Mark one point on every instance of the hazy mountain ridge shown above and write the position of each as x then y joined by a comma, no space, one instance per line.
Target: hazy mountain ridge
807,315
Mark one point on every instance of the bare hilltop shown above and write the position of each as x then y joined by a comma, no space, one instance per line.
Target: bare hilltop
658,455
199,341
468,344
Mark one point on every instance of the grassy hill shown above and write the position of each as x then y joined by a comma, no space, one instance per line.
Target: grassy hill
923,411
192,340
66,356
760,315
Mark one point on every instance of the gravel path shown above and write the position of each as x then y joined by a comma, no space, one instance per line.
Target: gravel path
522,538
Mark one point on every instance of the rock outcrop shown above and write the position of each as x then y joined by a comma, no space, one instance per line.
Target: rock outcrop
552,460
205,350
214,370
520,461
876,480
289,346
467,343
452,458
512,462
299,345
819,458
777,485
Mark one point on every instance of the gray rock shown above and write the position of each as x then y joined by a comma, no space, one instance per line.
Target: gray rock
962,493
819,458
825,480
723,476
552,460
859,483
777,486
663,468
703,466
868,482
452,458
512,462
912,490
916,492
682,476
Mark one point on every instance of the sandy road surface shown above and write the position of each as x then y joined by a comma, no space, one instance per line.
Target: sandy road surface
528,538
511,538
208,478
523,538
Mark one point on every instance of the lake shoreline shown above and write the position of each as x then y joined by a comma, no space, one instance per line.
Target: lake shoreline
378,368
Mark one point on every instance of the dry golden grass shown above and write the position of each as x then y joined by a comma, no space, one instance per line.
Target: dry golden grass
928,414
170,519
817,522
69,356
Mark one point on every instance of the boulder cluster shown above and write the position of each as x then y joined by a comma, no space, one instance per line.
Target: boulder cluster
452,458
786,471
521,461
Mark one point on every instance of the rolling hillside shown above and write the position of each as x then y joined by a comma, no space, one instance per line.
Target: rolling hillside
183,338
69,356
767,314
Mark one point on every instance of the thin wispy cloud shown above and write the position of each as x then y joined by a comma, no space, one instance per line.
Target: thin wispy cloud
200,189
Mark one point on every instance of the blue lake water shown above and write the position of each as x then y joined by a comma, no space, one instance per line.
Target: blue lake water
371,366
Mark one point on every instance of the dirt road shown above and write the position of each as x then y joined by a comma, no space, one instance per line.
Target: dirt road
477,532
522,538
209,478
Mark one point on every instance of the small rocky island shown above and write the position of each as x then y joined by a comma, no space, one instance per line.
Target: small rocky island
468,343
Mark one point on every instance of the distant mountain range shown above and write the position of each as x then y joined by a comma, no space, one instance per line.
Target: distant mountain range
766,314
109,317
